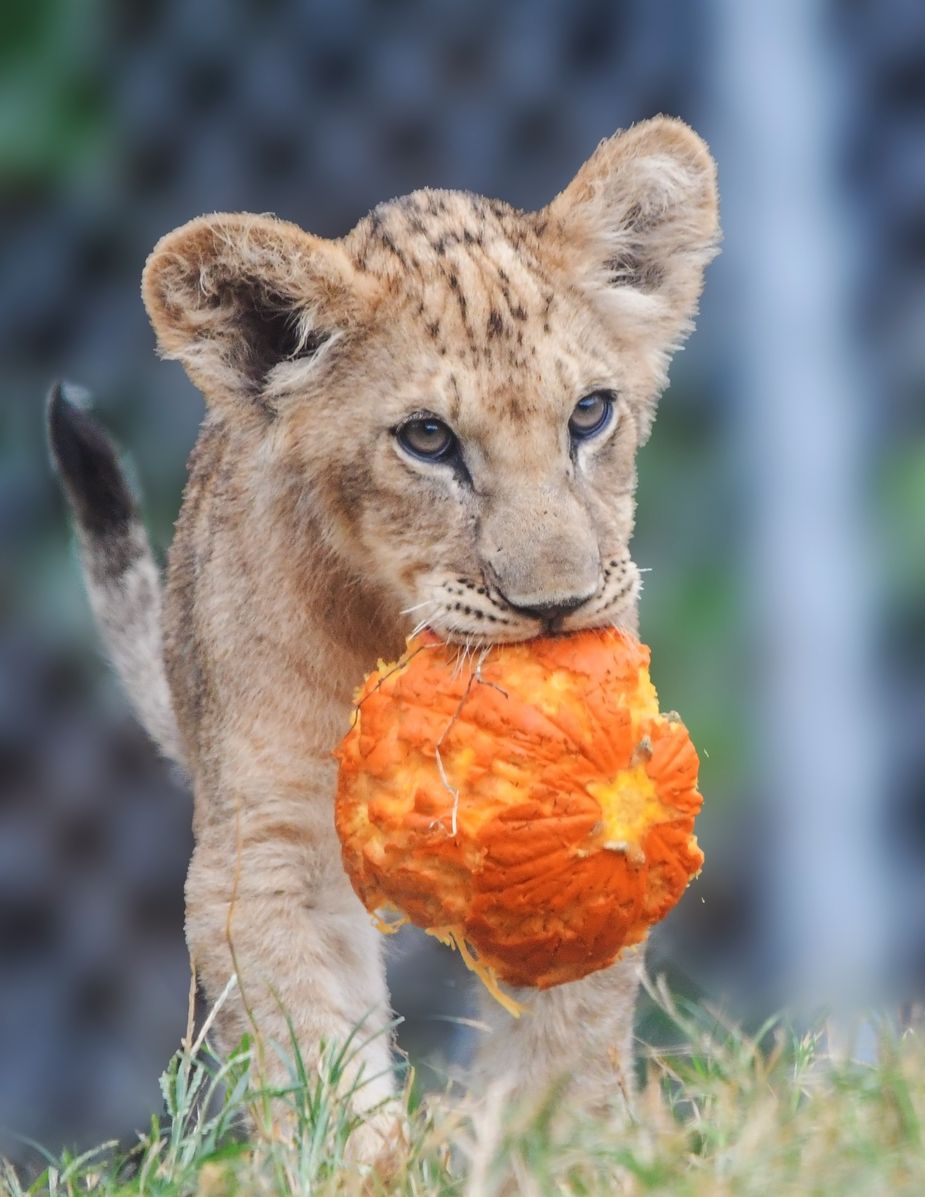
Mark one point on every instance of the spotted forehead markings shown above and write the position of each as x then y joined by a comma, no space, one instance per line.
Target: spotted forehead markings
445,235
511,403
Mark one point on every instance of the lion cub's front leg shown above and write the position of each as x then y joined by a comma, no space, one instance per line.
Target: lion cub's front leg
267,901
576,1037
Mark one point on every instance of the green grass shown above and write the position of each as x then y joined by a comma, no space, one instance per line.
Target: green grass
724,1113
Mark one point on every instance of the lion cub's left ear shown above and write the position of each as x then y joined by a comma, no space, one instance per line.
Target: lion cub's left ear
247,303
640,224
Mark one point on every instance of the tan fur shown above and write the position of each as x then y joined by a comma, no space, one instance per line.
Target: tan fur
309,544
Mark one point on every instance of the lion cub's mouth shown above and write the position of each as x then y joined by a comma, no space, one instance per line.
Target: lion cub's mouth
473,614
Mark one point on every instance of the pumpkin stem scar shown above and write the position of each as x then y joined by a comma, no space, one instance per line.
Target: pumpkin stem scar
642,751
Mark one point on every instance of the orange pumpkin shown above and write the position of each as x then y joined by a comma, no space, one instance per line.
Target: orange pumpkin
529,804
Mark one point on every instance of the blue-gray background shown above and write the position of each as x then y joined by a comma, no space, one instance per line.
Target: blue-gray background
782,497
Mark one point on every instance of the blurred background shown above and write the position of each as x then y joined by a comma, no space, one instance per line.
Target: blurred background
782,496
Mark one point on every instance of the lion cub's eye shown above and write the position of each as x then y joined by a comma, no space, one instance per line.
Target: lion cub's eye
591,415
426,437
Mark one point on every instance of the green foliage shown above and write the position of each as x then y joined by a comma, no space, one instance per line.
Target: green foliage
692,612
901,510
723,1115
53,110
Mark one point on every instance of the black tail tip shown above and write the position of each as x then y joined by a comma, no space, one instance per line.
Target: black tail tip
85,461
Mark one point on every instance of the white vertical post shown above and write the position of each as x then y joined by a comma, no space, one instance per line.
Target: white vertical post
799,397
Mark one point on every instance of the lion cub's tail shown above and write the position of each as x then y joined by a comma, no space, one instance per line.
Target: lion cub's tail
122,577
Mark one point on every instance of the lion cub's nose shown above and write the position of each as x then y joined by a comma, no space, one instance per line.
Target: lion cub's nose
549,613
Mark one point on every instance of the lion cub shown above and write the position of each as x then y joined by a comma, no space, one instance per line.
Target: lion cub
432,420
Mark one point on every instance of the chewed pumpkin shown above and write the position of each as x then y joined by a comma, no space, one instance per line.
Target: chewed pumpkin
529,804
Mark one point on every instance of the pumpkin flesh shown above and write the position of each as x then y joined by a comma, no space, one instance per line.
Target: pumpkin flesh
531,807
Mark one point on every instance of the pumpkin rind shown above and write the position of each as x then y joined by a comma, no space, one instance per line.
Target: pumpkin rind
536,806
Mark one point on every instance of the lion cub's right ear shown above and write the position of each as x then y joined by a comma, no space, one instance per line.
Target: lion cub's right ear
242,300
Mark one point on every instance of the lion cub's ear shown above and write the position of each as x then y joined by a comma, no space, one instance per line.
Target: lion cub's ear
241,300
640,224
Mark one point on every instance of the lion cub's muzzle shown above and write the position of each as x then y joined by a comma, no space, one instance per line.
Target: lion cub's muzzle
541,555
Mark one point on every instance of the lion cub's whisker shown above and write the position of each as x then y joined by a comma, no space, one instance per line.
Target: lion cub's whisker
418,606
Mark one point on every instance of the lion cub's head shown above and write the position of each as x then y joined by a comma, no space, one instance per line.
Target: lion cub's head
456,390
